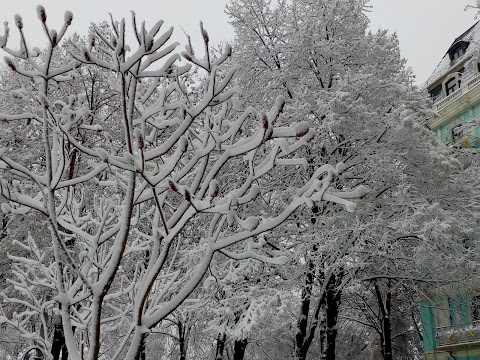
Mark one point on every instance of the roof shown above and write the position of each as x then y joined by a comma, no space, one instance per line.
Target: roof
471,35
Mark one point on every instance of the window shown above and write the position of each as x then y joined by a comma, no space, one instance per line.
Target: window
458,50
460,310
457,133
458,53
450,86
452,306
436,93
476,308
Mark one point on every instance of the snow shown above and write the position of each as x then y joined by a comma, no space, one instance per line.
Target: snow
41,14
169,191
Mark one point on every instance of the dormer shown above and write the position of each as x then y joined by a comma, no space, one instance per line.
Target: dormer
453,61
457,50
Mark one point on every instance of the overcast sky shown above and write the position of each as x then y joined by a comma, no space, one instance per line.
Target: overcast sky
425,28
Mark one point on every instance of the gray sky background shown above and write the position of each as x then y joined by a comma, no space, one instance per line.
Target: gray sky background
425,28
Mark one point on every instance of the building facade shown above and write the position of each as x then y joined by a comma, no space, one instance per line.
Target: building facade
451,317
454,87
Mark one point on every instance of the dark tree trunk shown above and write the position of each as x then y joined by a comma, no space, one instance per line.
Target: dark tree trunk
142,351
322,337
387,323
328,303
385,311
301,338
239,349
332,308
182,341
220,346
58,344
64,351
3,227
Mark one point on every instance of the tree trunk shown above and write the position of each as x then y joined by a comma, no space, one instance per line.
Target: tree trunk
329,304
142,351
182,341
387,323
58,343
385,310
332,308
239,349
220,346
64,351
301,337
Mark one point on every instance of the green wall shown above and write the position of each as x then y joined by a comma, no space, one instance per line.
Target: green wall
465,117
460,314
459,311
429,326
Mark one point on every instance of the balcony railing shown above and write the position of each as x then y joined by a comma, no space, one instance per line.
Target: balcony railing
450,98
452,336
468,84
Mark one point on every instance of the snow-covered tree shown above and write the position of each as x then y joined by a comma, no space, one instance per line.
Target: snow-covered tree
137,201
353,87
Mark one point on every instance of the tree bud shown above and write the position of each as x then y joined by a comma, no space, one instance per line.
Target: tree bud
18,21
68,17
42,15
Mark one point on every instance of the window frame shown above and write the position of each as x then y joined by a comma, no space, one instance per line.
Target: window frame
458,50
451,86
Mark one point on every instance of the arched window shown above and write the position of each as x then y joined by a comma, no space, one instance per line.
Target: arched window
451,85
458,50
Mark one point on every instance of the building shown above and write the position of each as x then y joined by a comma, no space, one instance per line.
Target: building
451,317
454,87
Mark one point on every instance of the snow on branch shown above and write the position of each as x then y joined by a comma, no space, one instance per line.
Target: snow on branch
143,173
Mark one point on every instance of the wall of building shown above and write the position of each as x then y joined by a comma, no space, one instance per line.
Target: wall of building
443,313
445,131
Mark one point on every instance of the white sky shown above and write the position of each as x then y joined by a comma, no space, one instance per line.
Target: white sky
425,28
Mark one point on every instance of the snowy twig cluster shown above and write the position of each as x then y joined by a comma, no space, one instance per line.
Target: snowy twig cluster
132,178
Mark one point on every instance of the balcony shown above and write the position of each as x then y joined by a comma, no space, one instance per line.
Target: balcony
459,335
468,85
